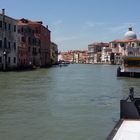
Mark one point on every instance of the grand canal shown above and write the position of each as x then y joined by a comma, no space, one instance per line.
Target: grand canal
78,102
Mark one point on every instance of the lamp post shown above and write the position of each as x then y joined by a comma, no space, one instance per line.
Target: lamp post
4,60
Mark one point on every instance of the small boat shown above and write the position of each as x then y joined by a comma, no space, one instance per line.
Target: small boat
128,126
130,67
64,63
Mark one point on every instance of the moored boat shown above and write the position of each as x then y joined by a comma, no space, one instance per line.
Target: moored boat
128,126
130,67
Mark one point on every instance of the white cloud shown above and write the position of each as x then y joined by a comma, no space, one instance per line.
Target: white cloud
57,22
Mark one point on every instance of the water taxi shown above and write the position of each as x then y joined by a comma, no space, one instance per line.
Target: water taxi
128,126
130,67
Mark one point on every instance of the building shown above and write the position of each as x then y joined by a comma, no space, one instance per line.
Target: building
74,56
34,44
128,46
45,38
105,54
23,43
95,52
26,45
54,53
80,56
8,42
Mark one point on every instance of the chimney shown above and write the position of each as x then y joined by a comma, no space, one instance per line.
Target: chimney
47,26
3,11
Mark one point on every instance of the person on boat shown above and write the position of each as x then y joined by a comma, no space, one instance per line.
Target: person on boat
131,94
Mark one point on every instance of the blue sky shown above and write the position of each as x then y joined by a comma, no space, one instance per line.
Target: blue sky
76,23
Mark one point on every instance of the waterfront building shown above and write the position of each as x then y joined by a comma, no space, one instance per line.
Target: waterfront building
78,56
74,56
105,54
95,52
23,43
66,56
83,56
26,45
54,53
129,46
34,43
8,42
45,40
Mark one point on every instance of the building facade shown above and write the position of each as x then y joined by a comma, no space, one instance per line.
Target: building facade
54,53
129,46
8,42
95,52
74,56
34,44
105,54
24,44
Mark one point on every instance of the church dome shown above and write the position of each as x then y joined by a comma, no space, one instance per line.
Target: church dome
130,34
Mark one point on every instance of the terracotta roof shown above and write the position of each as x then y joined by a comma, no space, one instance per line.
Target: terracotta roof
27,22
98,44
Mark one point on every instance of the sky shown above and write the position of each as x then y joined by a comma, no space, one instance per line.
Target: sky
74,24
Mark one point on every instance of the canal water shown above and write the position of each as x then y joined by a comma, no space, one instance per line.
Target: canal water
78,102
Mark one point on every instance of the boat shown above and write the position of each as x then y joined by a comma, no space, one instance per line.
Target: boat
63,63
130,67
128,126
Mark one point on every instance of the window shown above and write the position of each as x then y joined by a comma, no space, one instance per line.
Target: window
9,45
9,27
5,42
22,30
39,42
0,24
29,40
132,63
133,44
122,44
39,50
0,59
14,45
14,28
23,39
9,59
14,60
29,49
0,44
115,45
36,30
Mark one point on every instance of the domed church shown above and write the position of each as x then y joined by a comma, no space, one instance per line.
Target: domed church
130,34
129,46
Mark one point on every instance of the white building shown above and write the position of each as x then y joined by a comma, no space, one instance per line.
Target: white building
96,52
8,42
128,46
105,54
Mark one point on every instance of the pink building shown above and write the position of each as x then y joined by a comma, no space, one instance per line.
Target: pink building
34,44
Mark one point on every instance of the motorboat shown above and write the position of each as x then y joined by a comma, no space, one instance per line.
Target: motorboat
128,126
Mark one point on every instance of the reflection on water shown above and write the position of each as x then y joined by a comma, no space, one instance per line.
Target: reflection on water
78,102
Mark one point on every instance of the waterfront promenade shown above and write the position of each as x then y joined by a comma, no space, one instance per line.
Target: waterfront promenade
78,102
